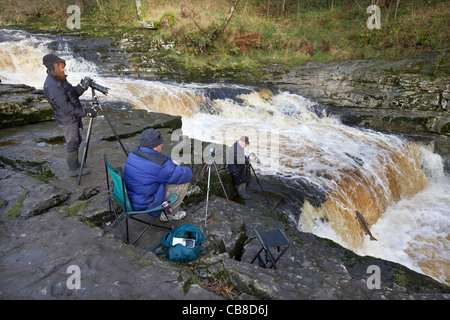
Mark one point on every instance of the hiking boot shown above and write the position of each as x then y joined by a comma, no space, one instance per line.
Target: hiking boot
174,216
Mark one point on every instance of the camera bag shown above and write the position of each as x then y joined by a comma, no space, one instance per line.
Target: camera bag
179,252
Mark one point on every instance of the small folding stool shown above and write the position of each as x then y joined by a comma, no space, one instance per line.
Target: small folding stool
268,239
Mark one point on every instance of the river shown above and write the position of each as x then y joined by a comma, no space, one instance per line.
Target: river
325,170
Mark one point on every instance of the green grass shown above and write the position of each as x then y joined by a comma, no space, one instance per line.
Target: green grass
14,210
257,33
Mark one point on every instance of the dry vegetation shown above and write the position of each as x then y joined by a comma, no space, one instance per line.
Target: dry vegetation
282,31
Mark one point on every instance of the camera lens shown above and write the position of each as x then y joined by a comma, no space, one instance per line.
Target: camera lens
100,88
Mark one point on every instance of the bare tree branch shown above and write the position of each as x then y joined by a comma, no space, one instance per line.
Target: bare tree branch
229,15
192,17
396,8
138,9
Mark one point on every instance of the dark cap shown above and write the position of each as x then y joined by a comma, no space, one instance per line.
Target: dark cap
50,59
244,139
150,138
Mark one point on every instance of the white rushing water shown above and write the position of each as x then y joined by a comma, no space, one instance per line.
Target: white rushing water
400,187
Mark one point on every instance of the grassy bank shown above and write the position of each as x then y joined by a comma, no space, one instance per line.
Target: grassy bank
259,32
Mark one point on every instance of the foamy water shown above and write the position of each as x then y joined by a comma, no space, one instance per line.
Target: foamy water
397,185
414,232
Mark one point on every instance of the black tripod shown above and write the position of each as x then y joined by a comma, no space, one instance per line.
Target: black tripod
257,180
208,163
96,105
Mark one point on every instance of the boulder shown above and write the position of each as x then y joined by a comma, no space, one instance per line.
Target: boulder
21,104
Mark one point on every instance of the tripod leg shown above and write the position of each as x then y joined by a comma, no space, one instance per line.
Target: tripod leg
86,146
113,130
207,194
200,174
257,180
220,180
223,188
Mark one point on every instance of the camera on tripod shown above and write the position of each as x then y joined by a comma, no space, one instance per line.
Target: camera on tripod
88,82
85,84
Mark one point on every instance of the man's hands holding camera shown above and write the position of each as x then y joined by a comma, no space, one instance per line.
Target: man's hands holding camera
86,82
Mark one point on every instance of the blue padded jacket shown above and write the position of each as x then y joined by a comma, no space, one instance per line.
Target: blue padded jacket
146,174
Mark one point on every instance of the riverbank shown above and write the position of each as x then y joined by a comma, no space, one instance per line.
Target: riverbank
60,224
221,35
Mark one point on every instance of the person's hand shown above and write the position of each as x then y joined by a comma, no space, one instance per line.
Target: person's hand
91,112
85,83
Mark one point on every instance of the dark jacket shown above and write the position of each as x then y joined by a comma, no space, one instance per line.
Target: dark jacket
64,99
146,174
237,162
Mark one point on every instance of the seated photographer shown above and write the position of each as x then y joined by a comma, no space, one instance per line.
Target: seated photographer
151,177
238,164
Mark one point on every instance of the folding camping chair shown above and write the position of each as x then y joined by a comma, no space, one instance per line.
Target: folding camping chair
117,193
268,239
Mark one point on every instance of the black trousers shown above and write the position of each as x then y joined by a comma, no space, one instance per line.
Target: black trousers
238,173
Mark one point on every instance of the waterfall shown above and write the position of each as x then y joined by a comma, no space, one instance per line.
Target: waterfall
399,186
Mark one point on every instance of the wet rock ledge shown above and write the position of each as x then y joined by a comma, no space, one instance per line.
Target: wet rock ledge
50,223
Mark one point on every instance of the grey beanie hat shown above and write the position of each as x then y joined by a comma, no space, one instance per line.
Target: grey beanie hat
150,138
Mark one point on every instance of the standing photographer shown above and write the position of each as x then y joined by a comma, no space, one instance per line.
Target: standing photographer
64,99
237,165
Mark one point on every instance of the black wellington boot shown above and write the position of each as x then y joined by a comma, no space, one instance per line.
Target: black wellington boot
74,165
